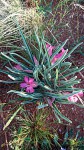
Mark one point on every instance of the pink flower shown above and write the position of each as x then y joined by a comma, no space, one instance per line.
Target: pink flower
35,61
74,98
50,101
29,71
50,48
29,84
57,56
80,94
18,67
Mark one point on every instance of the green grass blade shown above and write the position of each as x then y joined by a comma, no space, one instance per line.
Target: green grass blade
27,61
69,53
10,120
27,49
58,49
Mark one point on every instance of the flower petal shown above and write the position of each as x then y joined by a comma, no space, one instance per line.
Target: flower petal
53,60
35,61
23,85
63,50
30,89
47,45
50,101
18,67
31,80
34,84
50,51
50,48
57,56
73,98
29,71
80,94
26,79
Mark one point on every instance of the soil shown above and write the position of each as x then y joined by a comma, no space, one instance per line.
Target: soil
74,113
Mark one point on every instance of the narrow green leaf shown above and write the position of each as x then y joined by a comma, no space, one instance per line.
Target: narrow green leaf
69,53
58,49
57,62
27,49
11,75
42,106
56,140
60,96
57,74
22,58
28,101
9,82
46,51
66,137
73,71
11,58
23,94
13,116
69,83
60,114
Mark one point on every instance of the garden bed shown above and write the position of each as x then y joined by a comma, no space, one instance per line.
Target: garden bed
74,113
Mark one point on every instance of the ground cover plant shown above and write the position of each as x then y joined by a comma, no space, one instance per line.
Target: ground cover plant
43,76
28,18
33,132
40,74
72,141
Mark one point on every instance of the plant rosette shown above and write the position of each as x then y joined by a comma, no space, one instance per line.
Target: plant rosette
33,131
43,74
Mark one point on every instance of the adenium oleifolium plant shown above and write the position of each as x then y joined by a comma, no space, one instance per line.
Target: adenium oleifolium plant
43,73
